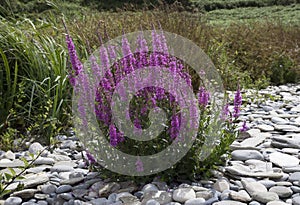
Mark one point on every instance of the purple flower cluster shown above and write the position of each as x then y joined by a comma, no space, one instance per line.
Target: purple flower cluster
244,127
237,103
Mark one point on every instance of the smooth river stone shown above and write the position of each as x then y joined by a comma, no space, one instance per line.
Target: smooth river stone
254,141
266,128
283,160
243,170
244,155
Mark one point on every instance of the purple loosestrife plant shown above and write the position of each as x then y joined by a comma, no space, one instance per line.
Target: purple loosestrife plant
149,98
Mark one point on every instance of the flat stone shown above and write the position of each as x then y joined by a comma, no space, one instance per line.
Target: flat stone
287,128
196,201
13,201
183,194
244,155
266,128
279,121
61,168
259,166
283,160
72,181
286,141
25,193
267,183
291,169
242,196
44,161
6,163
229,202
59,157
254,141
282,191
242,170
265,197
63,189
32,180
276,203
109,188
47,188
253,187
79,193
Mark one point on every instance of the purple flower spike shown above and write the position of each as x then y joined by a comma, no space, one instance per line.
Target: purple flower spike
90,158
76,64
244,127
225,112
139,165
237,103
203,97
113,135
175,126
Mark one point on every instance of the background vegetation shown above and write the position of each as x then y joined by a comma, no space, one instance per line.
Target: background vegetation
251,42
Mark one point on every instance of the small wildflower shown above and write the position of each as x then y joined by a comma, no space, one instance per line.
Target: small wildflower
244,128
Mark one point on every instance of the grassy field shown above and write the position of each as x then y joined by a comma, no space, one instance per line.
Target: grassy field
289,14
253,43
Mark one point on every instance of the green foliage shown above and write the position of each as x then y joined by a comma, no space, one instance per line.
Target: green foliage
34,89
283,70
210,5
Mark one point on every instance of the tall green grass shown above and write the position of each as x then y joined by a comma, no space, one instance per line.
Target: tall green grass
34,86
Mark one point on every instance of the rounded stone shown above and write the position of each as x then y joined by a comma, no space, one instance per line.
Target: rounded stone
152,202
265,197
48,188
282,191
196,201
244,155
183,194
63,188
13,201
294,177
296,200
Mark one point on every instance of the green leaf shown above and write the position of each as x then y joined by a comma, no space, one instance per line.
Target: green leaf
25,161
12,171
8,176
